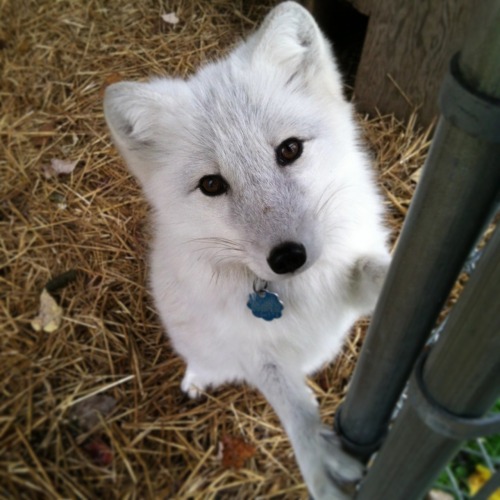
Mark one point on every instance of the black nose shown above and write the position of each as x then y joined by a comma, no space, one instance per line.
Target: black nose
287,257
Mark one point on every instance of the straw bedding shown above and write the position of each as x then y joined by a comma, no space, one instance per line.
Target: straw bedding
149,441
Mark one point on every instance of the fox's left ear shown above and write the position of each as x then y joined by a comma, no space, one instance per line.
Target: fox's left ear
289,38
143,119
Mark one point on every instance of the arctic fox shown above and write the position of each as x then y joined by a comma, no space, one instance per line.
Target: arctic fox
268,235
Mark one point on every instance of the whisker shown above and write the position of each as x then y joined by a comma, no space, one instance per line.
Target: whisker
322,205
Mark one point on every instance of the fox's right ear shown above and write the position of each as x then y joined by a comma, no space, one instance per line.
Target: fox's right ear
130,110
290,39
138,115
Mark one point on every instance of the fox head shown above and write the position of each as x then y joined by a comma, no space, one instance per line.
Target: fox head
253,161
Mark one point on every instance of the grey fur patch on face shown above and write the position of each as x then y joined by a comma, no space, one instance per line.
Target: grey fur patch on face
267,201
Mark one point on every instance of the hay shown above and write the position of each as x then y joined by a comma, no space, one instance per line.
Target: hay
57,56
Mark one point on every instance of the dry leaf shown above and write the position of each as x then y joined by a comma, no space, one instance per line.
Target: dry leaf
24,46
58,167
60,200
86,413
415,177
47,130
61,280
439,495
477,480
170,18
113,78
109,80
100,453
235,451
50,315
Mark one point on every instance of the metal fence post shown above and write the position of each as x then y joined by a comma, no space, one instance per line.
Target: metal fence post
454,198
451,389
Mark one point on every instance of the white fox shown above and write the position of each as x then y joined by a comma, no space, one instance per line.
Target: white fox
268,235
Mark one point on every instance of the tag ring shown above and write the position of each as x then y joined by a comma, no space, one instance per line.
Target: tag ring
262,288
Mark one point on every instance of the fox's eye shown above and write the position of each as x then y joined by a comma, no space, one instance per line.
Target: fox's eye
288,151
213,185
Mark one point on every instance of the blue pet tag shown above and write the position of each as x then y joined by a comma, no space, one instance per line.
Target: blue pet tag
265,304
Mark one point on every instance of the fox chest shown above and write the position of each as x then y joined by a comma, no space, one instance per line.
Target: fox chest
223,329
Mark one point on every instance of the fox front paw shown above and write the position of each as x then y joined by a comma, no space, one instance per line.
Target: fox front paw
330,473
367,278
191,385
373,269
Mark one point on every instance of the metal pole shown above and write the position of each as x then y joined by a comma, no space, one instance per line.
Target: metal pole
450,391
454,198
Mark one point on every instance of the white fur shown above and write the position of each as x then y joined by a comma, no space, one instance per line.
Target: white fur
228,119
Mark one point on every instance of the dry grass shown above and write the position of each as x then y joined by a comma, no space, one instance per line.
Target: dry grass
56,58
